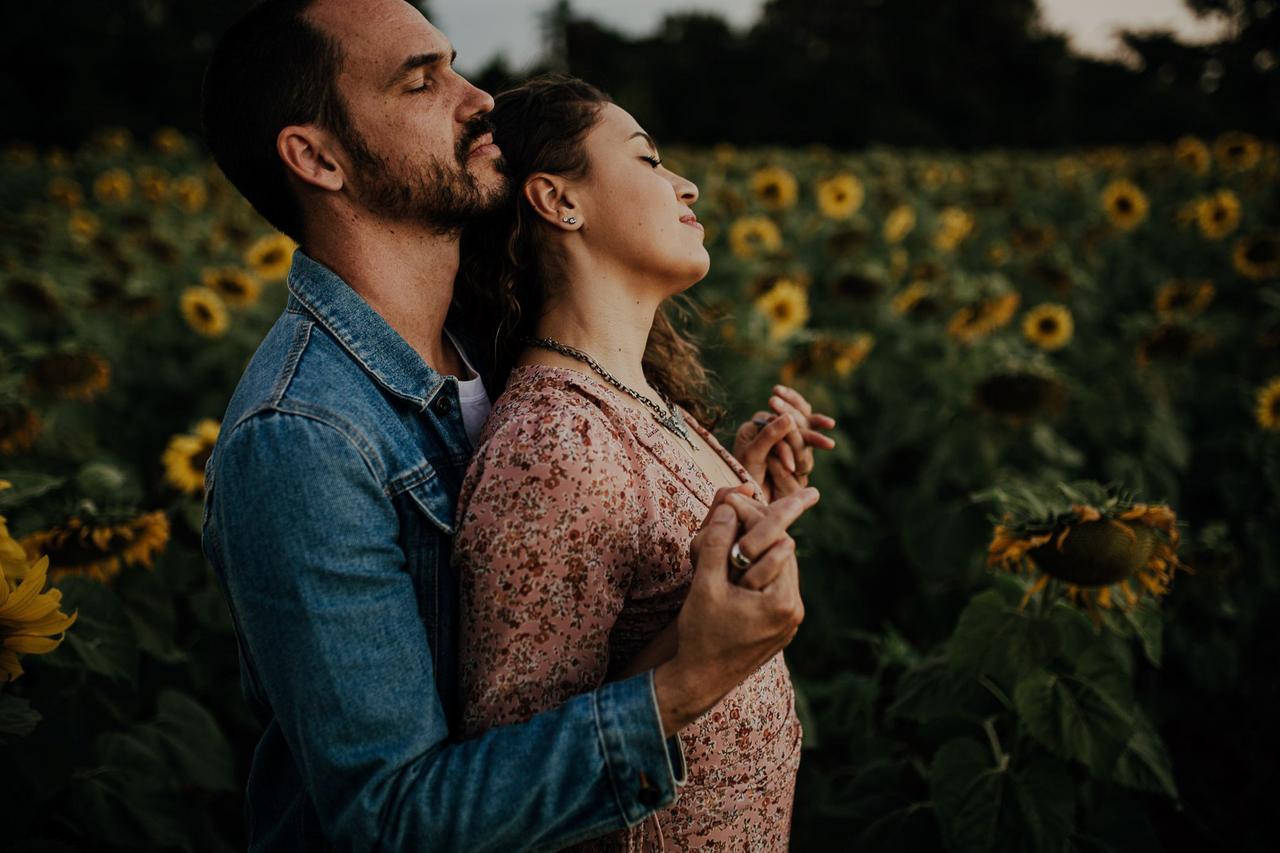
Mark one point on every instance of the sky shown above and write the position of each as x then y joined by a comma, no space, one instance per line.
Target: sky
479,29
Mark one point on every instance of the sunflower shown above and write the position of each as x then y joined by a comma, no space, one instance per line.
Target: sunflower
830,356
982,318
205,312
1125,205
77,375
898,224
1106,549
99,550
113,185
20,426
1069,170
754,235
190,193
1182,298
1019,395
29,616
1033,238
954,225
1237,151
169,140
1170,342
1218,214
840,196
915,299
83,226
270,256
1257,256
857,286
998,254
786,305
65,191
186,455
113,140
153,184
723,153
1268,410
1048,326
933,175
774,187
239,289
1192,155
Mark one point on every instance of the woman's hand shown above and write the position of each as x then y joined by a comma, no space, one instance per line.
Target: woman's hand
777,447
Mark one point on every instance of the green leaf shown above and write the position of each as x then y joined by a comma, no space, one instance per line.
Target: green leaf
102,639
1148,624
933,689
1045,796
995,637
26,486
1145,764
17,718
1074,718
192,741
967,793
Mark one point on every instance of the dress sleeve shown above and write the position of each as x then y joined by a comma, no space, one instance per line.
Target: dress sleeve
546,545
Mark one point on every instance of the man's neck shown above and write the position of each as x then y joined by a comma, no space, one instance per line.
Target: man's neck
405,274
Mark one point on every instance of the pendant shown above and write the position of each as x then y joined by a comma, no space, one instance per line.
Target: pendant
673,423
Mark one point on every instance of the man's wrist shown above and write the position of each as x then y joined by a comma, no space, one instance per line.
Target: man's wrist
682,697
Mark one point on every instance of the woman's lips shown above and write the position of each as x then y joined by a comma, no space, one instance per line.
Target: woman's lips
692,220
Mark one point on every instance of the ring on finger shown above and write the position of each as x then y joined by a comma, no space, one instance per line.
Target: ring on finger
740,561
761,421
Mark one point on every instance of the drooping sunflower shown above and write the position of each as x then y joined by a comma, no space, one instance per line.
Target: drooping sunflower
1218,214
915,300
20,427
1048,326
1257,256
1019,395
1183,298
74,375
1170,342
775,187
1237,151
270,256
983,317
113,185
238,288
1105,548
65,191
840,196
899,223
1125,204
856,286
828,356
30,618
751,236
786,306
1192,154
169,140
205,312
190,193
185,457
1268,408
100,549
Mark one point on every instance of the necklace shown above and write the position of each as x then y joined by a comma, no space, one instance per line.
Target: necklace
668,418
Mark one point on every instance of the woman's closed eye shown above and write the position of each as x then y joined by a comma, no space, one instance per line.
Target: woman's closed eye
653,160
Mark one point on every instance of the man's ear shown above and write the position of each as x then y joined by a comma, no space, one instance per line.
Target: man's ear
305,151
552,199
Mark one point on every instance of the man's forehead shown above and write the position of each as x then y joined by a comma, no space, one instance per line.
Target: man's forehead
376,36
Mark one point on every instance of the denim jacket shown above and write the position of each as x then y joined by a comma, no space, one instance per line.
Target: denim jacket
329,512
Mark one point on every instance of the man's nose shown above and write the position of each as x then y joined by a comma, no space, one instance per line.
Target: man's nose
475,101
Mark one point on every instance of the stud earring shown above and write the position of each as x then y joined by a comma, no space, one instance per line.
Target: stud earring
570,219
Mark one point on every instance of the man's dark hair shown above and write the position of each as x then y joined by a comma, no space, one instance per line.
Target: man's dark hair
271,69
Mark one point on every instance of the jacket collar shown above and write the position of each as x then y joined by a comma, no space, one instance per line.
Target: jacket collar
362,332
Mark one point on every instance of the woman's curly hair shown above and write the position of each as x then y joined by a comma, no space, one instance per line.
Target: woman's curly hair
504,273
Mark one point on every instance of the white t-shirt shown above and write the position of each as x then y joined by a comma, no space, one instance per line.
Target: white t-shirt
472,396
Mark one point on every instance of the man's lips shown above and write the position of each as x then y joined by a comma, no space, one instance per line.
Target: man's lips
484,147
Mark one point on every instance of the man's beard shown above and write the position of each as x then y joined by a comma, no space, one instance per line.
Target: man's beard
443,196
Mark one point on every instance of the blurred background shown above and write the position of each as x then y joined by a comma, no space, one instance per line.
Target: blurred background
1027,253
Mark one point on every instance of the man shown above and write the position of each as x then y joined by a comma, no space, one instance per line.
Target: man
330,493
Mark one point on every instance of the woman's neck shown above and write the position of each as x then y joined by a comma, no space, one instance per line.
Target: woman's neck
605,316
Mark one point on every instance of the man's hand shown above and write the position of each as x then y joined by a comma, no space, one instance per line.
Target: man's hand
726,630
776,447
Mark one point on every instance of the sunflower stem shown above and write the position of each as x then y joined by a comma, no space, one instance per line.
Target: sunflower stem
996,691
988,725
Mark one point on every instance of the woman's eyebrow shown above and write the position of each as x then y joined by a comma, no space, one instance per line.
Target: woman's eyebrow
647,138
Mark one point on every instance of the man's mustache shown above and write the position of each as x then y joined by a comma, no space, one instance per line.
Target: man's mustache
474,129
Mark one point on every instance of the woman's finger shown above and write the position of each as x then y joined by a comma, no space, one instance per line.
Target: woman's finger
769,566
773,523
757,450
781,481
795,398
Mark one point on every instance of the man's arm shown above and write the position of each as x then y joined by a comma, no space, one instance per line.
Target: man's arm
329,622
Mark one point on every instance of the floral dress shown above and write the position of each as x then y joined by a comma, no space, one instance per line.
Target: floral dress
572,553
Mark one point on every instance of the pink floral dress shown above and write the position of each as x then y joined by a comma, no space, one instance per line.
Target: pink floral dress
572,550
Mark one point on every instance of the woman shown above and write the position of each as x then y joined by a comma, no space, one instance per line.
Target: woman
595,468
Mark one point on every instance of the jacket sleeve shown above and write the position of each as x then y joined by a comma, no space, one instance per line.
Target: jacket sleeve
304,540
548,533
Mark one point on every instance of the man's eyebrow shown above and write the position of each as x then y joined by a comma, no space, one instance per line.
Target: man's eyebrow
647,138
419,60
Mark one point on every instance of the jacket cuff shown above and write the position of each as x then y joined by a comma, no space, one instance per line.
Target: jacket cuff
644,767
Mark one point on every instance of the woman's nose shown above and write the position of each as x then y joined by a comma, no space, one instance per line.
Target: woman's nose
686,190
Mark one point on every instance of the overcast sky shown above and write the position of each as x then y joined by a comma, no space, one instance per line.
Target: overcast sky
481,28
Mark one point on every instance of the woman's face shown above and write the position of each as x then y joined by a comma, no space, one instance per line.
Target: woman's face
635,213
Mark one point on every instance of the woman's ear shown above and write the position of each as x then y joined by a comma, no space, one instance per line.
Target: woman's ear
551,198
305,152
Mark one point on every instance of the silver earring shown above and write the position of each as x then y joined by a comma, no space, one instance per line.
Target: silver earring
570,219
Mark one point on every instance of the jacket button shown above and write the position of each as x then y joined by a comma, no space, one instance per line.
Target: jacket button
648,794
441,404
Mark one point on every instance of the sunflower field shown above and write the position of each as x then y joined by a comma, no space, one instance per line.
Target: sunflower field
1039,585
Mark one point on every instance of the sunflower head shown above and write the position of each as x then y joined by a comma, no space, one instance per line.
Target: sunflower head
73,375
1257,256
981,318
1236,151
238,288
899,223
752,236
1017,396
270,256
786,306
113,185
1183,298
840,196
31,619
1048,326
1268,405
100,548
205,312
1192,154
775,188
185,457
1102,545
1034,238
1218,215
169,140
1125,204
20,427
